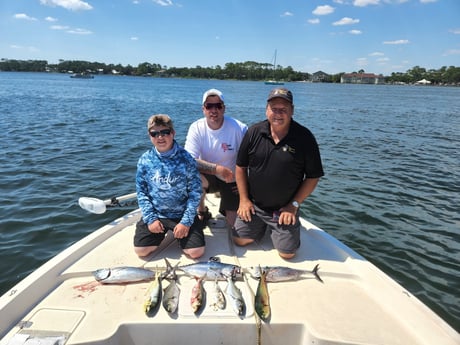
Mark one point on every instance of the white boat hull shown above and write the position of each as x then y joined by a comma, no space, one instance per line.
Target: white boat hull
356,304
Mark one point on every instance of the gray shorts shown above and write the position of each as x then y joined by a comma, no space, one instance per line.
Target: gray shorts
285,238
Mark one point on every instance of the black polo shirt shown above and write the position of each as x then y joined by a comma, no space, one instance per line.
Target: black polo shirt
275,171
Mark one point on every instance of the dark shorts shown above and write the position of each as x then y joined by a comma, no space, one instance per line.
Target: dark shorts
285,238
144,238
229,197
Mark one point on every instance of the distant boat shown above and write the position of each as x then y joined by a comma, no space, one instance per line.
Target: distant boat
274,81
82,75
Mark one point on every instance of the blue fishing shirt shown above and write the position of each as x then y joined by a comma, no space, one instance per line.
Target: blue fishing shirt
168,185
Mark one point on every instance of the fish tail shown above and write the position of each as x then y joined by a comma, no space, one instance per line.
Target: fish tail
316,274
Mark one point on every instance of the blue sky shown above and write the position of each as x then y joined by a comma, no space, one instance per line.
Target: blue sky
378,36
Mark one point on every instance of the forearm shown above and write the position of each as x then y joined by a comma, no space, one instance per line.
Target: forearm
242,182
306,188
205,167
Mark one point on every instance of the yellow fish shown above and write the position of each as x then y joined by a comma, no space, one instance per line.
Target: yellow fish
262,301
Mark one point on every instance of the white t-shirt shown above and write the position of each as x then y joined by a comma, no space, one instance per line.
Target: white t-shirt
216,146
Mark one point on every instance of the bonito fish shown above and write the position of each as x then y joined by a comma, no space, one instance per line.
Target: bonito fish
154,294
282,274
196,299
212,269
172,292
262,300
216,297
235,297
120,275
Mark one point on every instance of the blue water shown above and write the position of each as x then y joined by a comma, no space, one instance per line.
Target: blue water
391,156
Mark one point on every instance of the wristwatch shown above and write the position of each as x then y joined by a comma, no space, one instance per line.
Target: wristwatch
295,204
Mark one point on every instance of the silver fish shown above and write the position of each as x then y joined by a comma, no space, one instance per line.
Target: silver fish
172,292
235,297
212,269
154,294
196,299
216,297
120,275
282,274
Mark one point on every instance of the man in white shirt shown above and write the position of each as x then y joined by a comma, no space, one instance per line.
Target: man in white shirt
214,141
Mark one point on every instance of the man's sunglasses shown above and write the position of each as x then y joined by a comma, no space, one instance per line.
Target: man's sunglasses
163,133
209,106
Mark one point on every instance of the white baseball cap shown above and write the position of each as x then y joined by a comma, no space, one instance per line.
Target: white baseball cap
213,92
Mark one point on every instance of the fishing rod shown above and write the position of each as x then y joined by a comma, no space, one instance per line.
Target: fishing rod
99,206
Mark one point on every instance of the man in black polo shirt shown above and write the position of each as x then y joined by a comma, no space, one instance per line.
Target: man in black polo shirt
278,167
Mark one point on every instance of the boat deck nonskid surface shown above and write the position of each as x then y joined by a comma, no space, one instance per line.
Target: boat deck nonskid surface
348,308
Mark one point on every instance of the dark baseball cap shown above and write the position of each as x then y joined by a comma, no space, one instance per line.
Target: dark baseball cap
280,92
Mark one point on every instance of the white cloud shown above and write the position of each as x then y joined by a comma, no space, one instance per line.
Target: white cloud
24,16
452,52
376,54
427,1
59,27
323,10
287,14
51,19
29,48
313,21
364,3
346,21
134,38
74,5
383,59
396,42
79,31
163,2
455,31
355,32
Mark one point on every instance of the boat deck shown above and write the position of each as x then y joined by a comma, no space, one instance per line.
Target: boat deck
356,304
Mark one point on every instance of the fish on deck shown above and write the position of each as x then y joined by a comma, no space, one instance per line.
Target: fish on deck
212,268
262,299
281,273
124,274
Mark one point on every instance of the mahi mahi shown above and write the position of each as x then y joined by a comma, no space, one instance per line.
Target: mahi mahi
154,294
262,300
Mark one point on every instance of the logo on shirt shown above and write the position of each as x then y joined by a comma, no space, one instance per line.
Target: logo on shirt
164,182
226,147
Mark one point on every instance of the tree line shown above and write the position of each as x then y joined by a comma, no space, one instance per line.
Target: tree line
249,70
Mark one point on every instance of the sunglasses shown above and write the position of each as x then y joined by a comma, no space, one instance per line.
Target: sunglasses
163,133
209,106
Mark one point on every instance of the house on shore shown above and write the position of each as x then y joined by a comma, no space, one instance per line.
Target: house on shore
362,78
320,77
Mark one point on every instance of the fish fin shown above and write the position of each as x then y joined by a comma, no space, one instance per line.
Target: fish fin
315,272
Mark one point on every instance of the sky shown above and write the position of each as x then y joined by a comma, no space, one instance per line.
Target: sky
333,36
